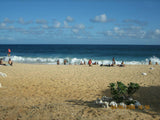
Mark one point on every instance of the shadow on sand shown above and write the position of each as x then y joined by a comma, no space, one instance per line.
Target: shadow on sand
145,95
149,96
83,103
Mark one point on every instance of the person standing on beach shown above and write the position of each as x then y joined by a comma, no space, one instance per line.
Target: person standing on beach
9,52
65,61
57,62
113,61
90,62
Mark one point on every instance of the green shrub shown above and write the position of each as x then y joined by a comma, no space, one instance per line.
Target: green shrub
122,93
132,88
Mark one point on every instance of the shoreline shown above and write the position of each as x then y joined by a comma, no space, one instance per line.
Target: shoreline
5,62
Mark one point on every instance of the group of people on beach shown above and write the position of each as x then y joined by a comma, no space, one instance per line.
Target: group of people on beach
95,63
81,63
9,62
150,63
65,62
114,63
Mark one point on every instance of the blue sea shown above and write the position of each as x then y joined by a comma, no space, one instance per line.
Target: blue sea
103,54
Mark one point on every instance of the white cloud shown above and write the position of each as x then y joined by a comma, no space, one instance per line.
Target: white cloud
101,18
116,28
33,32
109,33
80,26
41,21
138,22
118,31
66,25
75,31
154,34
79,37
2,25
157,32
131,32
69,19
56,24
11,27
143,33
131,35
135,27
7,20
106,33
7,38
45,26
21,21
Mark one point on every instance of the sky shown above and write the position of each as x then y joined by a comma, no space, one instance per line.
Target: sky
80,22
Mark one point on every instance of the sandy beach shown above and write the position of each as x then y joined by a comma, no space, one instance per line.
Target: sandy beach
52,92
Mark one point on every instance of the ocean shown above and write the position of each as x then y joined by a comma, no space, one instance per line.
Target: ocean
74,54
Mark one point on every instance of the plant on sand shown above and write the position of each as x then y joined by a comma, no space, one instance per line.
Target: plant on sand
123,93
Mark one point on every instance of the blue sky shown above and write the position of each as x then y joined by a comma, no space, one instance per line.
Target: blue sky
80,22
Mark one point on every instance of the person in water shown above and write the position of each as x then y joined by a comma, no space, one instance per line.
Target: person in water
10,62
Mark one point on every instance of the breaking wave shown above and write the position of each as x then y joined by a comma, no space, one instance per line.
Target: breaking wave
41,60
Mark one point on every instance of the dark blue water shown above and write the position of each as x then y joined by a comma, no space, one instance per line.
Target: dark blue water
49,54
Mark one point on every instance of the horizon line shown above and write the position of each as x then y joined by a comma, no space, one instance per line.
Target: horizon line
77,44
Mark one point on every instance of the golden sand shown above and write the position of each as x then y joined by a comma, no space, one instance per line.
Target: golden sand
51,92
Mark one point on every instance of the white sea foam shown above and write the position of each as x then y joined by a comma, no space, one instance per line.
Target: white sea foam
154,59
50,60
